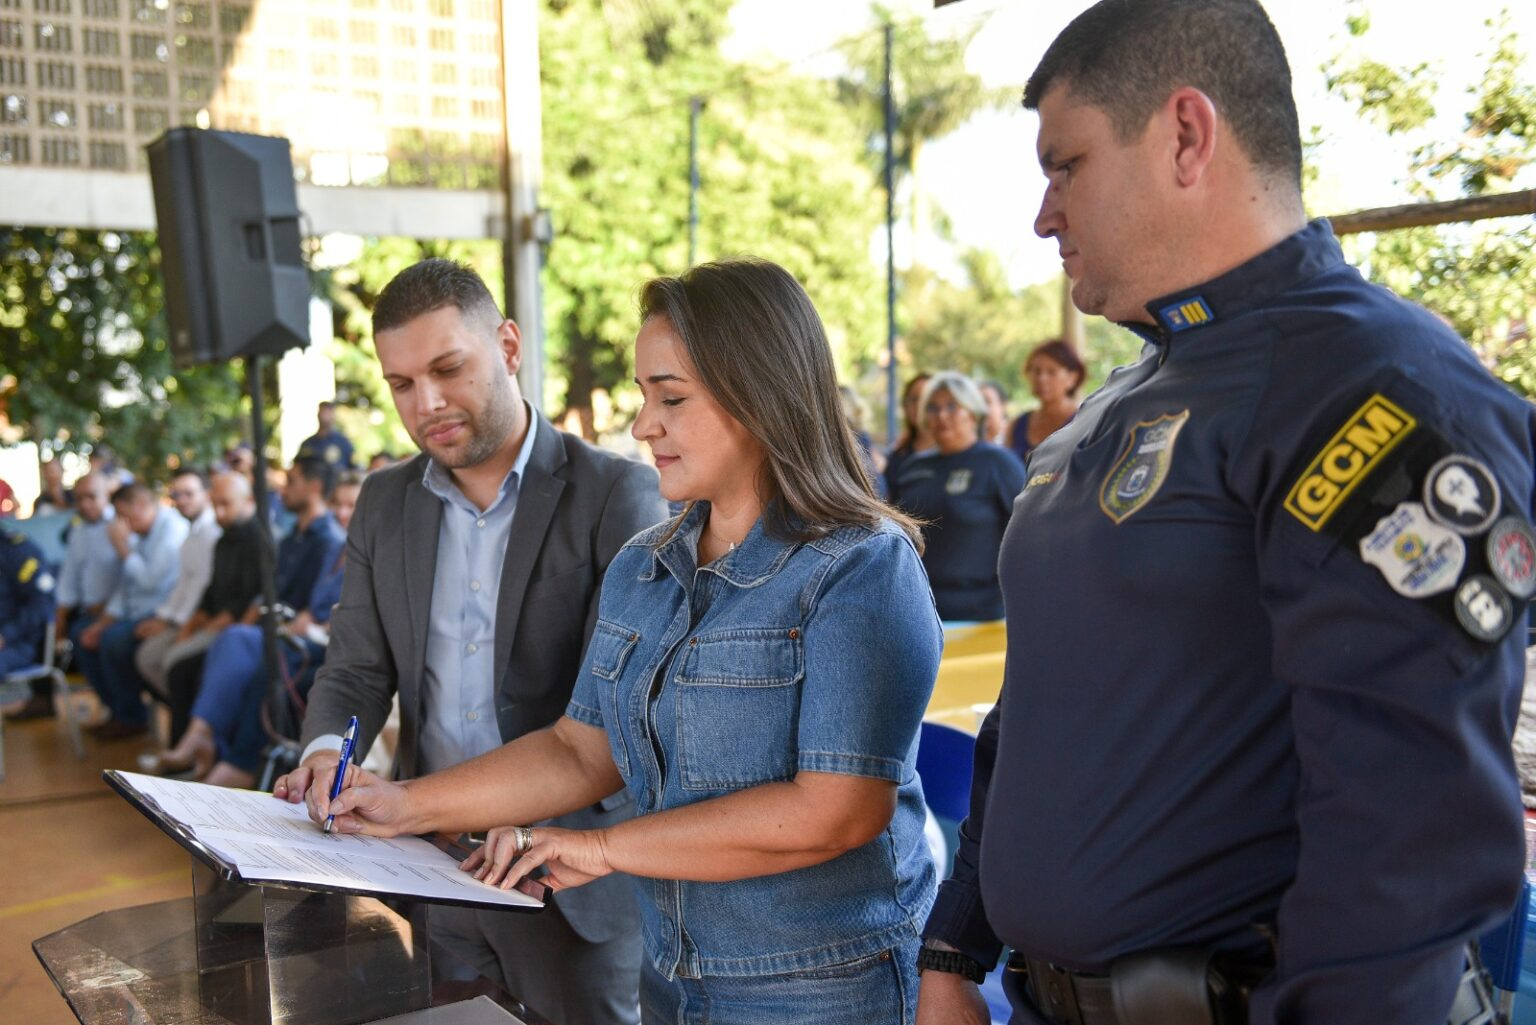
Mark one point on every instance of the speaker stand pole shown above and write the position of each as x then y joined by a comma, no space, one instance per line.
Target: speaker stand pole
279,711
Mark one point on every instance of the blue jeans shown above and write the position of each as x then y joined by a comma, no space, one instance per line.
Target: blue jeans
111,671
233,688
880,988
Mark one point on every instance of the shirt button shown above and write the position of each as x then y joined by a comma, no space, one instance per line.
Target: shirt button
474,585
479,523
473,648
473,717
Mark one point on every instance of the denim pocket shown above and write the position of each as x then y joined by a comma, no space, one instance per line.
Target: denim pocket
607,654
738,700
609,649
845,970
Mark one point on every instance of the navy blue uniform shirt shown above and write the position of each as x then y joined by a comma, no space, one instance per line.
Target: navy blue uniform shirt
303,555
965,499
1222,712
26,600
332,446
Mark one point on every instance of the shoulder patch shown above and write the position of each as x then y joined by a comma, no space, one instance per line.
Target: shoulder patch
24,575
1355,450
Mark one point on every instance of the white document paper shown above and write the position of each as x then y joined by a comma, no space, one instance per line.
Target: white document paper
269,840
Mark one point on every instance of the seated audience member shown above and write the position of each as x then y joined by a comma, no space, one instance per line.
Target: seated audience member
148,538
54,497
86,578
995,429
856,412
224,739
230,598
242,460
104,461
963,492
27,589
301,557
756,680
158,634
915,439
1055,373
327,443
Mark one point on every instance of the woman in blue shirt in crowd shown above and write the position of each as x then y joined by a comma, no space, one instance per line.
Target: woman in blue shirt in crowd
1055,373
963,491
756,678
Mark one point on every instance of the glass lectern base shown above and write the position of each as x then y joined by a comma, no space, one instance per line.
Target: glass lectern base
235,954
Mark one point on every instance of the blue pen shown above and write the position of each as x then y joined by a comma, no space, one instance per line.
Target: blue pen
347,740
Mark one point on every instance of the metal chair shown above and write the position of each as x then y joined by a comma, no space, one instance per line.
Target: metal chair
17,684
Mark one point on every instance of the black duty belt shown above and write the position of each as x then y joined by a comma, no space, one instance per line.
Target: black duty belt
1186,987
1062,995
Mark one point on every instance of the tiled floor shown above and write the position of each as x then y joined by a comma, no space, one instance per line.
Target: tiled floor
69,848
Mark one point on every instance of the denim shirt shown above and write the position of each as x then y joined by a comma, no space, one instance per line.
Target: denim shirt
778,657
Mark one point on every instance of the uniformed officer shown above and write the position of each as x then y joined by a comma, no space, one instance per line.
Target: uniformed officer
327,442
1251,757
26,601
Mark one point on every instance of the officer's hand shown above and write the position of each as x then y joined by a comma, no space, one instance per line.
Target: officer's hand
944,998
293,786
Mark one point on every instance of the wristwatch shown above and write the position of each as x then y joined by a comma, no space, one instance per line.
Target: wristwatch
951,961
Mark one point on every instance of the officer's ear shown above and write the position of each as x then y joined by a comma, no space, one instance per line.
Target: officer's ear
1195,127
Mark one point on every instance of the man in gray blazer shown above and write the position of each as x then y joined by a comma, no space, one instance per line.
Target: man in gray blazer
471,587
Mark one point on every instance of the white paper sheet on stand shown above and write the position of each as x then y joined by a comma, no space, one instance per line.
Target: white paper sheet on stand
268,840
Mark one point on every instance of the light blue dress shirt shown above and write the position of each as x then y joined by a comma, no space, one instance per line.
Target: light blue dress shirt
461,674
150,570
91,565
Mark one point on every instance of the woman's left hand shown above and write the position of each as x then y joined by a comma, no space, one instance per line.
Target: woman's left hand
573,857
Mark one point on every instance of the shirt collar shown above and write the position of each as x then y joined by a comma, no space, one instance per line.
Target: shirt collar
755,560
437,479
1303,255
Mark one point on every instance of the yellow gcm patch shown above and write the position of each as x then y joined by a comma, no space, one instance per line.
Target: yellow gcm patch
1358,447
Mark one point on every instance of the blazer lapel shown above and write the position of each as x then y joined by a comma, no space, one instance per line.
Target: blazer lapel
538,495
423,520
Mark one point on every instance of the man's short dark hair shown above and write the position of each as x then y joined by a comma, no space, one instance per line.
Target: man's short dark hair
313,468
1126,57
130,493
191,471
429,286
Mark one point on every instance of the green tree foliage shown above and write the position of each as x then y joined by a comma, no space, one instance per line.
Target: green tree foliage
932,95
1480,276
780,178
985,328
83,356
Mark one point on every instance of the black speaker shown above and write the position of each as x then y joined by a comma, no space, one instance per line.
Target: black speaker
228,215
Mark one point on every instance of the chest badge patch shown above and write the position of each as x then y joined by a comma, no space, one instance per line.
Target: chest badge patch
1416,555
1142,467
959,482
